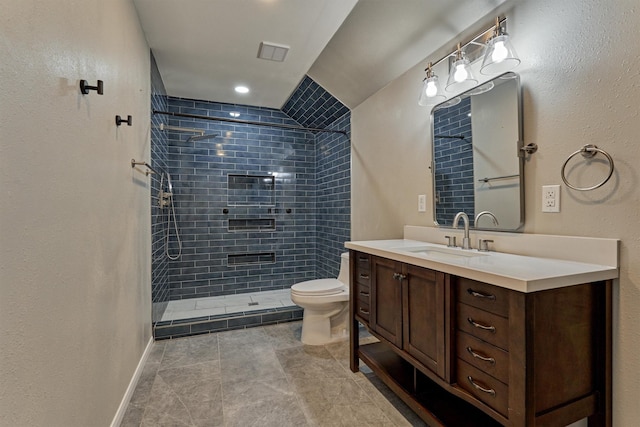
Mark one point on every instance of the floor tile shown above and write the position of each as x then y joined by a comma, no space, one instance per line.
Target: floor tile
310,362
190,350
210,303
395,409
249,308
241,393
267,413
223,304
261,376
254,366
284,335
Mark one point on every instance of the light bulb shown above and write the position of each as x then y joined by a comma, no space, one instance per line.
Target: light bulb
499,51
461,73
432,89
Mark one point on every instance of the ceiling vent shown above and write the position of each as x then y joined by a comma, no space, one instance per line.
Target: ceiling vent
272,51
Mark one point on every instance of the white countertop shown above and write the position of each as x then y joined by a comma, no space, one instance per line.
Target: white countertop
517,272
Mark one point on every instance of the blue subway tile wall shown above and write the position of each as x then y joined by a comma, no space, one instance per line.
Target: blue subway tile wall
333,199
312,106
288,211
159,156
454,157
201,173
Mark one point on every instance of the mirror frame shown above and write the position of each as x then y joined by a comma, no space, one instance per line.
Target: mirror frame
519,144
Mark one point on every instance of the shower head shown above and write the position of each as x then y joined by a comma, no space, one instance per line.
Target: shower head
201,137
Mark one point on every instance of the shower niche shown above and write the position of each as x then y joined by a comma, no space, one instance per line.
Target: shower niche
251,205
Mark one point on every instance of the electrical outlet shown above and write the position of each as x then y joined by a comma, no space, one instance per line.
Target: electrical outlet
550,198
422,203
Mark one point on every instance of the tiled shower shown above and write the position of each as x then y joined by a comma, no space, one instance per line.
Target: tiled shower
258,208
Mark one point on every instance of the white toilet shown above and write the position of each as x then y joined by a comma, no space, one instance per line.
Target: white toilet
326,306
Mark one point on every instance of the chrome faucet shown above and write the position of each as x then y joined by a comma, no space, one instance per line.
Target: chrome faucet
465,241
493,217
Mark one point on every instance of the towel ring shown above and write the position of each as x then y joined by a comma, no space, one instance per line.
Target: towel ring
588,151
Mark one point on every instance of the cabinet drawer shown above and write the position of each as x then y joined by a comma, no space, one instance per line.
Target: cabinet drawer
363,292
363,278
484,296
483,387
363,262
486,357
362,310
484,325
362,273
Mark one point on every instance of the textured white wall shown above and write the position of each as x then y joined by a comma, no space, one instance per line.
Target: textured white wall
581,84
75,303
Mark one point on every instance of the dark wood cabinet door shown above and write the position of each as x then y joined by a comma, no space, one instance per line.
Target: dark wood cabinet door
424,312
386,299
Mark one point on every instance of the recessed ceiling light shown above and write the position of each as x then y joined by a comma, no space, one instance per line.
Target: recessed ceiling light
242,89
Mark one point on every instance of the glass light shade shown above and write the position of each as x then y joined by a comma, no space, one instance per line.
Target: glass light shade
430,92
499,56
482,88
461,77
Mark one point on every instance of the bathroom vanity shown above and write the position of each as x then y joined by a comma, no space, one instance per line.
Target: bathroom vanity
469,338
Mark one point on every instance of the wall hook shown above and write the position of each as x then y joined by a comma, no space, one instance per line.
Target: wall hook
120,120
85,88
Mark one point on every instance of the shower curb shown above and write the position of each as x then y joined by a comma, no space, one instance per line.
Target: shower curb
225,322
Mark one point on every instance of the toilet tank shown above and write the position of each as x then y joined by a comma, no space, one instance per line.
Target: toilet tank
343,276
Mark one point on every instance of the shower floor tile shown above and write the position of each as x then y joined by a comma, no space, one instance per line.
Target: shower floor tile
227,304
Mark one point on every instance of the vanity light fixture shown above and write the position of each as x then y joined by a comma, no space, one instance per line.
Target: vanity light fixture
499,55
430,93
461,77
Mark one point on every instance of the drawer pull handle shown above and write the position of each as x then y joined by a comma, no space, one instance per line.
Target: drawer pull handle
364,276
363,311
481,326
364,294
480,294
363,259
490,391
481,357
399,276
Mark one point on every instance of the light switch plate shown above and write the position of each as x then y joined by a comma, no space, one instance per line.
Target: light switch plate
550,198
422,203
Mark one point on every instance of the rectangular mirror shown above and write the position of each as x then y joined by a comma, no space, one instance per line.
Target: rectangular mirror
477,162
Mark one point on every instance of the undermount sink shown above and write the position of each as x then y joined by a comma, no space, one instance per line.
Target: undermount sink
442,253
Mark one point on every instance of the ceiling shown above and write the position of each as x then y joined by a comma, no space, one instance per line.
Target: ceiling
204,48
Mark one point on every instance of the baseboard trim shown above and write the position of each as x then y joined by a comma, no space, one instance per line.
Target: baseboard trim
117,419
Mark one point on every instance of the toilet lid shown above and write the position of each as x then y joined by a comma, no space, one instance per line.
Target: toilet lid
319,287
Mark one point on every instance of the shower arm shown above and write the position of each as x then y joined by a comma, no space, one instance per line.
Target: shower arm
181,129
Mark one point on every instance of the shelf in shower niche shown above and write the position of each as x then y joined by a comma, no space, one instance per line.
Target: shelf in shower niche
252,224
252,258
251,190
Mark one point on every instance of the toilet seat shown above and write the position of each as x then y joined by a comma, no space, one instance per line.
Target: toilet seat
319,287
